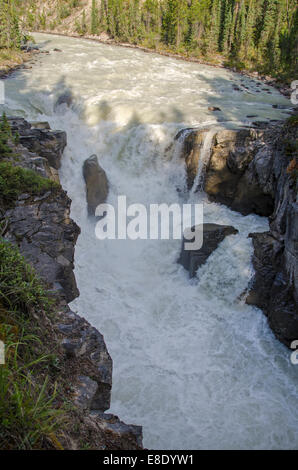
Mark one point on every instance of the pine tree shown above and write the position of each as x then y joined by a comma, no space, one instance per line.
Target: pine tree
84,24
10,35
94,18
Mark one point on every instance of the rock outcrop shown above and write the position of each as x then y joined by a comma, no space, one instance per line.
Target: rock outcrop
255,171
239,170
97,187
213,234
41,140
46,235
275,260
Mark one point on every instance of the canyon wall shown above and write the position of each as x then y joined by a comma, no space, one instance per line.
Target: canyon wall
254,170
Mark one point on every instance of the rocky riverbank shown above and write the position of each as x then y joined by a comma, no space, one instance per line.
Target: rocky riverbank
255,171
41,227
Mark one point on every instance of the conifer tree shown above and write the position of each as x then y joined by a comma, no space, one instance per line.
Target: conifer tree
94,18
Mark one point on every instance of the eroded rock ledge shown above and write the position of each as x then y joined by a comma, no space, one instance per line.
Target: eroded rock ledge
46,235
255,171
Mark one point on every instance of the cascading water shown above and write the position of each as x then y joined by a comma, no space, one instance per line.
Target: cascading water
204,158
192,364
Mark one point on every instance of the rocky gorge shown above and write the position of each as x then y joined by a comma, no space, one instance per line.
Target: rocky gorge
41,227
160,327
251,170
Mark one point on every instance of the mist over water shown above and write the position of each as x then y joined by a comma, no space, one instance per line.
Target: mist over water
194,365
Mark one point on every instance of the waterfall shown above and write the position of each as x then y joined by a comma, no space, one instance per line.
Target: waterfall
194,366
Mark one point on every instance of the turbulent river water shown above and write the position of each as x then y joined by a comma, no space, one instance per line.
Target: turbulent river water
194,365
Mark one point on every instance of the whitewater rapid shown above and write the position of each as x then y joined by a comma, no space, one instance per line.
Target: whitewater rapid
194,365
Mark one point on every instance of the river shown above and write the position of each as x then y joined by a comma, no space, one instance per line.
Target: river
194,365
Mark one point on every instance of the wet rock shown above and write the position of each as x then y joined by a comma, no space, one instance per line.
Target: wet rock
183,132
66,98
97,186
28,48
41,125
213,234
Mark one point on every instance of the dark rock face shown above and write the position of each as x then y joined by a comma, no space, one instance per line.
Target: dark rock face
97,187
213,234
214,108
275,284
238,171
84,344
46,236
40,140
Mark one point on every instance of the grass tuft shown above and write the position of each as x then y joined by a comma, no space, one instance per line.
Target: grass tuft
28,416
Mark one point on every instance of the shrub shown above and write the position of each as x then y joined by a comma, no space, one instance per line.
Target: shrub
28,415
15,180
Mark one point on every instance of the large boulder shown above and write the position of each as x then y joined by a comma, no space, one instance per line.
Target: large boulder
213,234
97,186
66,98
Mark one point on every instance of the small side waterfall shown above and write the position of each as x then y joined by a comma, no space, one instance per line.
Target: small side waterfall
204,158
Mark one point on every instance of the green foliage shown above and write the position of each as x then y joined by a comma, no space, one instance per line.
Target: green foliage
292,121
20,288
15,180
10,34
5,135
94,18
27,413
